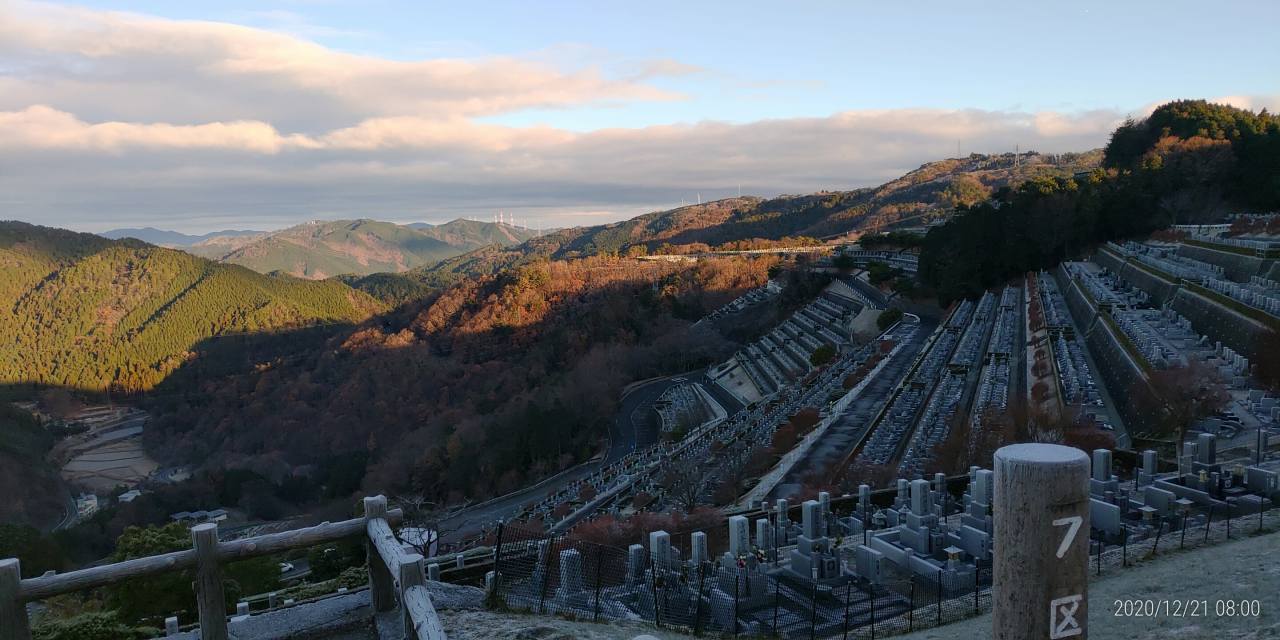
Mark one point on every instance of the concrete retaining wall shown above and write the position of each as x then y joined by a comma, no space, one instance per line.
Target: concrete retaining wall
1207,315
1118,370
1237,267
1219,322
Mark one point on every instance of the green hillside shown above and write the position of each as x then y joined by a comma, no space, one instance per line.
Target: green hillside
92,313
33,492
318,250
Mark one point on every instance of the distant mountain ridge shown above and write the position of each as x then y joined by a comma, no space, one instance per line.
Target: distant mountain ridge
323,249
90,313
165,238
927,194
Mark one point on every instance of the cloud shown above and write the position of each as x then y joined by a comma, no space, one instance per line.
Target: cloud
121,66
210,175
41,127
113,119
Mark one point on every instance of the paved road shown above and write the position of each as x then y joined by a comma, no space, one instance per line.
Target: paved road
865,288
628,431
854,421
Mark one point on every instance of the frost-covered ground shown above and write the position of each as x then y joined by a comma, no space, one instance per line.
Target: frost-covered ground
1244,569
478,625
1247,569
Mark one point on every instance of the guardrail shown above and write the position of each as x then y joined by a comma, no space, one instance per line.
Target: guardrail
396,577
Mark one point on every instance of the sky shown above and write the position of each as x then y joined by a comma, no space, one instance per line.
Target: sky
197,116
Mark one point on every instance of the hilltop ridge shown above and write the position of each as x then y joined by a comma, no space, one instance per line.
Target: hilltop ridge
926,194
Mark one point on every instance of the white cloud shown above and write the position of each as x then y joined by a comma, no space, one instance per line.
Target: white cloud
41,127
121,66
108,119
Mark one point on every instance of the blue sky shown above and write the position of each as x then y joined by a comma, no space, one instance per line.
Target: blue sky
785,59
362,92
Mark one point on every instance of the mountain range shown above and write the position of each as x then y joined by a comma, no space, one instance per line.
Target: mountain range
923,196
91,313
173,239
323,249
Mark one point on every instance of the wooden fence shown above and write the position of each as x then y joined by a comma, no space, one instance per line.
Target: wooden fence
396,577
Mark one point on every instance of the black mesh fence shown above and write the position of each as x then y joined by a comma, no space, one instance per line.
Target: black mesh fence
1197,526
560,575
758,596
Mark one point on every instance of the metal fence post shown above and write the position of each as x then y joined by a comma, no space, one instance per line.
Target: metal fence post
977,567
1182,541
697,604
1207,520
847,600
212,601
813,611
1100,546
776,596
13,611
736,580
1155,547
653,590
939,585
1261,503
595,616
873,612
911,612
1228,522
546,574
497,562
1124,545
381,589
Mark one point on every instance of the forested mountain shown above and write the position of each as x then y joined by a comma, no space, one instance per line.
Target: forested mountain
1189,161
475,391
23,445
929,192
171,239
473,233
86,312
318,250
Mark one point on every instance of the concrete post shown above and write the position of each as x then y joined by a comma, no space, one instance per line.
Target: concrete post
1041,540
382,590
13,612
412,573
171,626
209,595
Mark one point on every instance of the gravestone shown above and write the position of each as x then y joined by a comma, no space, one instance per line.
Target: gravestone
698,552
739,536
570,573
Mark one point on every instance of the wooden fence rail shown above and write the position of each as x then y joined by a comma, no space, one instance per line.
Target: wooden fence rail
404,588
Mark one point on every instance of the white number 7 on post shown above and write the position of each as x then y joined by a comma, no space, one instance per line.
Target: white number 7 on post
1073,528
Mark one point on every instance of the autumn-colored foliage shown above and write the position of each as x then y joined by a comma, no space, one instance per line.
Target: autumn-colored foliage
482,389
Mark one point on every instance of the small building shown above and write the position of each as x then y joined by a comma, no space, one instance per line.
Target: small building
86,505
197,517
129,496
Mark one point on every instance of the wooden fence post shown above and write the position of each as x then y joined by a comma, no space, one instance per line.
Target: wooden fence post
13,611
411,574
1041,555
212,601
381,589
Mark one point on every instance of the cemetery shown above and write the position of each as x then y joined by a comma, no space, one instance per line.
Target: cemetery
747,300
770,364
834,566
